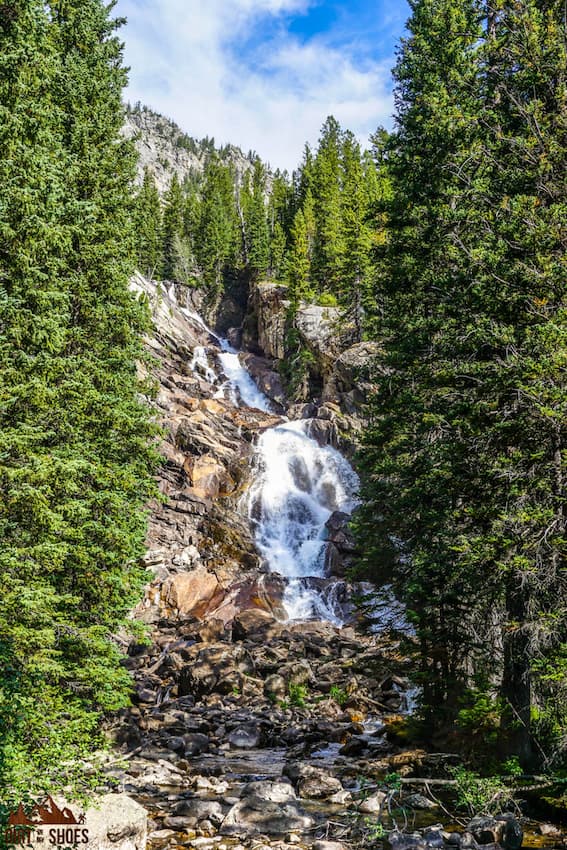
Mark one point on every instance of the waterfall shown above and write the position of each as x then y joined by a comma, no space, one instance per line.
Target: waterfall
298,485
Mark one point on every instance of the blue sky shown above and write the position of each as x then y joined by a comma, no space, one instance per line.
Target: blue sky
264,74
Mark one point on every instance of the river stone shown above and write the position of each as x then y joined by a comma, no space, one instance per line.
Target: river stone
504,829
195,743
265,807
312,782
200,809
418,801
374,804
245,737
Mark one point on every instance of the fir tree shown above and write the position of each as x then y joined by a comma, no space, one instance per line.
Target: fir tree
256,223
148,227
326,189
75,469
172,227
355,292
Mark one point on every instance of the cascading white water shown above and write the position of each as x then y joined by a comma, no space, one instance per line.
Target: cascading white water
298,486
200,364
239,378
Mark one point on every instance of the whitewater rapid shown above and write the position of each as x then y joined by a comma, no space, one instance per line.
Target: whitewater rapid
298,485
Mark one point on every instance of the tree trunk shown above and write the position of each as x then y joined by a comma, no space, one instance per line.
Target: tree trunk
516,678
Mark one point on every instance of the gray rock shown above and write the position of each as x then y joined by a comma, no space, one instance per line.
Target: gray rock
374,804
245,737
418,801
268,808
195,744
312,782
200,809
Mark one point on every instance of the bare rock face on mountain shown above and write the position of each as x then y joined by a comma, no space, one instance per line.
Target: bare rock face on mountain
166,150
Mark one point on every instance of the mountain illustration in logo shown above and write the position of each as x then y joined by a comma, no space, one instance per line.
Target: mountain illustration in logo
46,813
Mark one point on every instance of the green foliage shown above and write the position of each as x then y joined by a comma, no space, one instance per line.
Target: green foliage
327,299
298,694
480,716
339,695
512,767
480,796
464,460
76,459
148,227
392,781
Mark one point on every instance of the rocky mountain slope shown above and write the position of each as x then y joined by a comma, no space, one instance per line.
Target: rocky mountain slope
166,150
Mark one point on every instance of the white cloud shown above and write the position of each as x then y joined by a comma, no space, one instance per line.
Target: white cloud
187,61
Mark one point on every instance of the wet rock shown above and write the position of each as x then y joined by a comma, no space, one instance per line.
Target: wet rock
195,744
374,804
328,845
405,841
433,837
269,808
245,737
549,830
178,823
200,809
418,801
312,782
504,829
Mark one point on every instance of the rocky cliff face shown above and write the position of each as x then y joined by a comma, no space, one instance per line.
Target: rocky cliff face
200,548
336,383
166,150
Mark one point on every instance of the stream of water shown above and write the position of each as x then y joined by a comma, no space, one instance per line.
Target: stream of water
297,487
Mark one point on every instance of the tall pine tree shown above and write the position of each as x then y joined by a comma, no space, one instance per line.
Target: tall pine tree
76,461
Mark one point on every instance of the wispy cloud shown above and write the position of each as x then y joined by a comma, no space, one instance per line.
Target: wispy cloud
231,69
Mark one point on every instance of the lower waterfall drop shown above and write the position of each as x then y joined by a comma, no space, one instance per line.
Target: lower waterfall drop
299,485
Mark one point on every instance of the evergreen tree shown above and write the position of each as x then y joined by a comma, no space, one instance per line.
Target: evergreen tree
75,461
256,223
148,226
326,189
299,265
355,290
218,226
464,463
278,246
416,461
172,227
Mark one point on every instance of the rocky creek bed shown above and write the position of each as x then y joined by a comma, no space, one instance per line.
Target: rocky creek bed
248,729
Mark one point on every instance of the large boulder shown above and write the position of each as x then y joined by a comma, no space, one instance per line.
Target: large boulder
312,782
265,325
113,822
190,592
318,329
268,808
